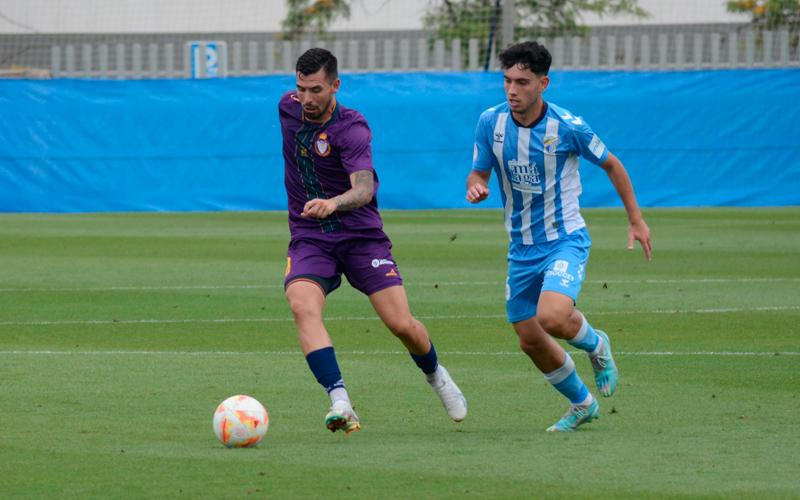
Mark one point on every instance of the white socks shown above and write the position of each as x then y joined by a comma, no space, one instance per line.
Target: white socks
435,378
339,394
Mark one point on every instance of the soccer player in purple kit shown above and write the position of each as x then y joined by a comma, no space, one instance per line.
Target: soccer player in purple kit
336,229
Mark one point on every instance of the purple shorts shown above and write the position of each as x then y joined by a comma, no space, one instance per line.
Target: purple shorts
366,262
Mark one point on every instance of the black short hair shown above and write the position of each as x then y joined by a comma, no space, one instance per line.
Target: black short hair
315,59
530,55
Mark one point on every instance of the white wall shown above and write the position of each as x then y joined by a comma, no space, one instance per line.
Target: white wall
138,16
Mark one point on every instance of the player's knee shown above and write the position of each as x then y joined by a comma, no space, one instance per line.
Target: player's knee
303,308
530,344
401,327
551,320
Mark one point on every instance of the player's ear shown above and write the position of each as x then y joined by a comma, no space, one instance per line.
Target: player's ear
544,82
336,83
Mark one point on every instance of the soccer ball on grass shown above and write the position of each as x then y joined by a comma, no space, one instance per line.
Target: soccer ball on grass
240,422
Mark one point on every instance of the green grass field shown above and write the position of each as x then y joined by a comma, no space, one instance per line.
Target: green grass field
120,333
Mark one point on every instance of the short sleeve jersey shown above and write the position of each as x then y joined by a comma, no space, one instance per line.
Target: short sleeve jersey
537,169
319,158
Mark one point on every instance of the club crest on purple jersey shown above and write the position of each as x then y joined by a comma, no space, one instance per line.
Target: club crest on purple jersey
322,145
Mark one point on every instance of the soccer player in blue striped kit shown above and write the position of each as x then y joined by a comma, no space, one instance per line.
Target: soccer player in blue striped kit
533,146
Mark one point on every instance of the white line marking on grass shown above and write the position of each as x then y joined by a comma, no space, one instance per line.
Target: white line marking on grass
376,353
700,280
707,353
146,321
717,310
220,320
721,310
144,288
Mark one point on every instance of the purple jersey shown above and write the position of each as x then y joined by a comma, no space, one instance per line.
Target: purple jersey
319,159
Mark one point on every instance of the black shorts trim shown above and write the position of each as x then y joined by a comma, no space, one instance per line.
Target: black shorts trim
327,284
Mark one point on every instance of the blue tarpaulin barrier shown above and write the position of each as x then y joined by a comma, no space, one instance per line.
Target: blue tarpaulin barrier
705,138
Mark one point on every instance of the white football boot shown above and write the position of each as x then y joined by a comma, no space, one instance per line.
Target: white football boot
342,417
452,398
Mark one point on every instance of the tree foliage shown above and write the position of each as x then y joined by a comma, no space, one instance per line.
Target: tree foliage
312,16
770,14
469,18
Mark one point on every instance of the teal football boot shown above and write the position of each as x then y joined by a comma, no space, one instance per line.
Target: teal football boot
606,374
576,416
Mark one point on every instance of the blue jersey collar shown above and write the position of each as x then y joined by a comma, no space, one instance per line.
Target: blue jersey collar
535,122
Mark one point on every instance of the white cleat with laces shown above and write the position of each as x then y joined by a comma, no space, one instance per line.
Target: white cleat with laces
452,398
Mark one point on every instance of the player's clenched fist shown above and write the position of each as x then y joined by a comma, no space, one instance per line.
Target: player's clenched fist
477,193
318,208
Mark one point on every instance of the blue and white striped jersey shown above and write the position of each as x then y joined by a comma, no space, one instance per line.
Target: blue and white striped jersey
537,169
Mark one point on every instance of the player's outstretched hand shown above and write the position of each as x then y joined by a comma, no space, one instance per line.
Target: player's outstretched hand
318,208
477,193
640,232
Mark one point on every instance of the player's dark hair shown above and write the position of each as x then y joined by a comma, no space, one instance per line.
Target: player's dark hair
530,55
315,59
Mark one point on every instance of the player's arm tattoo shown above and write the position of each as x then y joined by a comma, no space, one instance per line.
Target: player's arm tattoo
360,194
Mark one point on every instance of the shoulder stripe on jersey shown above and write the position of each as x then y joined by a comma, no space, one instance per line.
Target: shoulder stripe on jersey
550,167
524,157
499,138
